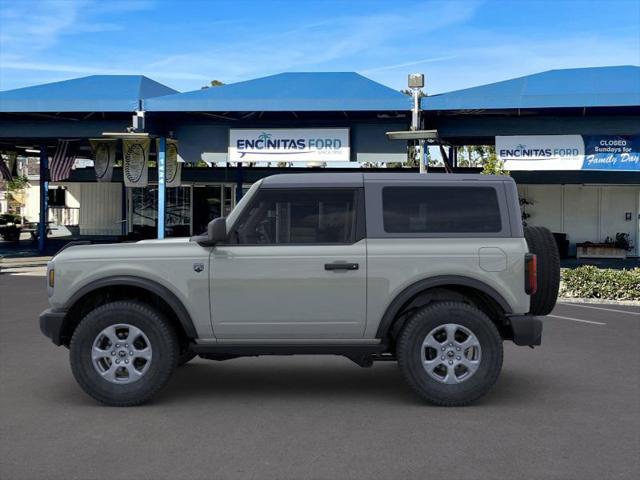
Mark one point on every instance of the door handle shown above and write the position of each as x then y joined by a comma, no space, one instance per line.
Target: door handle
341,266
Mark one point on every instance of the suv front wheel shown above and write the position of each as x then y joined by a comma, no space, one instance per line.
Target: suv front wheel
122,353
450,353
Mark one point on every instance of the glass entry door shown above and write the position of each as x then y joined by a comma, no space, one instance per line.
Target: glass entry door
209,202
143,213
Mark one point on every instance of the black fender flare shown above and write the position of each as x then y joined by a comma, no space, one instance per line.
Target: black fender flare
439,281
132,281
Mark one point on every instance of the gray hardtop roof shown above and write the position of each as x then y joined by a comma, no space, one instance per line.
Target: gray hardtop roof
433,177
347,179
357,179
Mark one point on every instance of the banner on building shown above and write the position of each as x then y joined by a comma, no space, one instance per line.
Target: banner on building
569,152
541,152
173,165
289,145
104,158
611,152
135,154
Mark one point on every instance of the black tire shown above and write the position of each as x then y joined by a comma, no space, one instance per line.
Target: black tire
162,339
410,345
541,242
185,357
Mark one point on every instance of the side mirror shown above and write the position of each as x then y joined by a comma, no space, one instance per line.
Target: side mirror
217,230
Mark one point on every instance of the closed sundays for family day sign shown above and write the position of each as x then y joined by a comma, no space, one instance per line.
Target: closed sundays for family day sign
289,145
569,152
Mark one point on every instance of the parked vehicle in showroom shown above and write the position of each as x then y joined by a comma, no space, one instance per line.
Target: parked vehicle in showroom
434,271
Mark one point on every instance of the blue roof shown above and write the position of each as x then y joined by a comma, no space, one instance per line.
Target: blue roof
576,87
96,93
298,92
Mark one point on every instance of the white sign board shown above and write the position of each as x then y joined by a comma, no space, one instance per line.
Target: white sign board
289,145
541,152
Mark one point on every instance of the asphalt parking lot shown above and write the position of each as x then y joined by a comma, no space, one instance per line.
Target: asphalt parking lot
567,410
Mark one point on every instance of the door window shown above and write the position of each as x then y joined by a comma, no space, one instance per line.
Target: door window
298,216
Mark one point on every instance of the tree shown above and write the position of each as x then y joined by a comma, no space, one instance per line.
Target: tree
213,83
15,194
493,165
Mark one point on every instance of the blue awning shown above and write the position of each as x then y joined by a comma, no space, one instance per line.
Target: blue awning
577,87
96,93
288,92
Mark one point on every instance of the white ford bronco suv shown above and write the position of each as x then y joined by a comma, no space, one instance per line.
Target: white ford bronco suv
433,271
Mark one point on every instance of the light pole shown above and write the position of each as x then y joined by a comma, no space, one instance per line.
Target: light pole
416,83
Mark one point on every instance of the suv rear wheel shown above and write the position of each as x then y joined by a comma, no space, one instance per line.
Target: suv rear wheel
450,353
123,353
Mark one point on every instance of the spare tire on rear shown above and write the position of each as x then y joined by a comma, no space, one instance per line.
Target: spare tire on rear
543,245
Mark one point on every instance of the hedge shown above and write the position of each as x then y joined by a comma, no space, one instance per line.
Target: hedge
588,281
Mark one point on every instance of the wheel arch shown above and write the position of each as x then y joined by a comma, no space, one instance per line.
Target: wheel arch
445,287
126,286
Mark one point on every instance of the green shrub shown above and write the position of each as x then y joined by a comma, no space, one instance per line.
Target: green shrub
593,282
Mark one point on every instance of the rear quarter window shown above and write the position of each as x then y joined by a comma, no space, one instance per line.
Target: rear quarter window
433,209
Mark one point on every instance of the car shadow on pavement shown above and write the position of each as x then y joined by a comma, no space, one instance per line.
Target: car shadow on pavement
242,379
382,383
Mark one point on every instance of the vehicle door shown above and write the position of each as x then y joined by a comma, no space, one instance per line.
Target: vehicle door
294,267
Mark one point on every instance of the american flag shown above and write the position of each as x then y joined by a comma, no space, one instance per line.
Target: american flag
62,161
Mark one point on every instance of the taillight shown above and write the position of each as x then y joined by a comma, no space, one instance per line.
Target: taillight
530,273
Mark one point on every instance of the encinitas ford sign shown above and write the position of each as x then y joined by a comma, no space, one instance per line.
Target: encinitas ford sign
541,152
289,145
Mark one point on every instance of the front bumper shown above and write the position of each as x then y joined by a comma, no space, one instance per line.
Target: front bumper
52,323
527,330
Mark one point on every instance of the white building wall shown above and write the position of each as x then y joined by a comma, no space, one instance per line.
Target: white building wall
615,203
73,195
100,208
581,213
585,212
31,209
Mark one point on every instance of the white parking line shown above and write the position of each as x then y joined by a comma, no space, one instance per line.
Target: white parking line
601,308
577,320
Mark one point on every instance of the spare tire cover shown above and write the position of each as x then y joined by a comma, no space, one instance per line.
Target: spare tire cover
542,243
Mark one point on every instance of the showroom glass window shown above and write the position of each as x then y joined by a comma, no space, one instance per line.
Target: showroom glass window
440,210
298,217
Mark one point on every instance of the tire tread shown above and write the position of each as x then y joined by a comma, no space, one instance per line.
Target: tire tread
165,330
403,347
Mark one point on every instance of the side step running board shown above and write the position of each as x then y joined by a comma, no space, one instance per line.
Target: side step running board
363,355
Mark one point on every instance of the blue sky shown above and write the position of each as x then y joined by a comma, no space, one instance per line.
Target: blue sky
184,44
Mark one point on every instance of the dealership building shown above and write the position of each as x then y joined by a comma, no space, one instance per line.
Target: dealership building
571,139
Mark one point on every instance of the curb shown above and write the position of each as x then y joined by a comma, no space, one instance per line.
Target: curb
6,266
599,301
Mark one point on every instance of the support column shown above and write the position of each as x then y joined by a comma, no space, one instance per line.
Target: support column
124,209
239,181
162,155
44,199
422,146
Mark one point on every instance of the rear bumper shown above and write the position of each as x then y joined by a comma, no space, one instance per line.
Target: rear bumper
51,324
527,330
